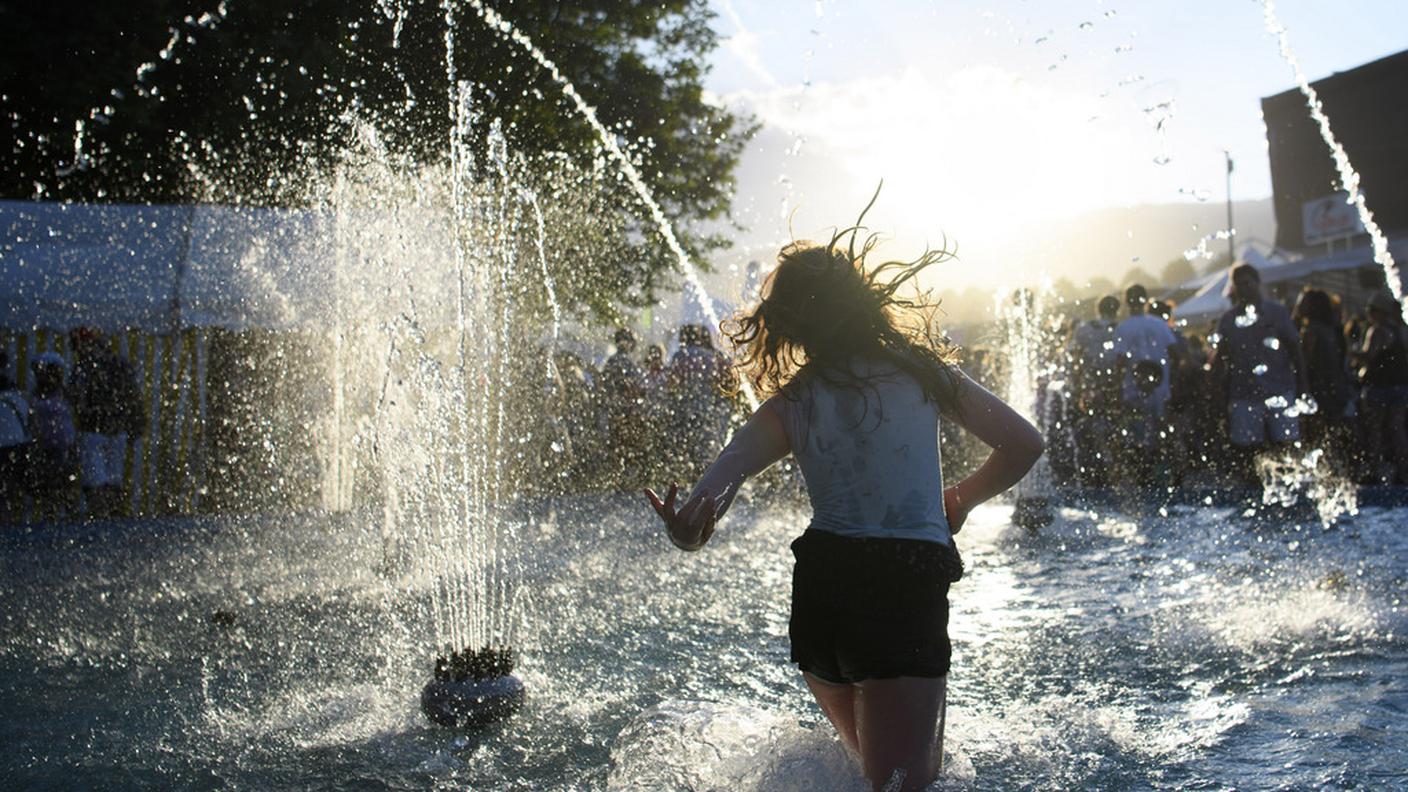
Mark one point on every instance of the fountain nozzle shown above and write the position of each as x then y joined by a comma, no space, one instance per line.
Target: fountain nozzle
472,687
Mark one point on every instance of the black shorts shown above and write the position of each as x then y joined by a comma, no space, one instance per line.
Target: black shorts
870,608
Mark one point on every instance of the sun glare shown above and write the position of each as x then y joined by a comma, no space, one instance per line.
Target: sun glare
976,157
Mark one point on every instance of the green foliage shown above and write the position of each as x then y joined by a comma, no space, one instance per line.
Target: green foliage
1177,271
1139,275
246,108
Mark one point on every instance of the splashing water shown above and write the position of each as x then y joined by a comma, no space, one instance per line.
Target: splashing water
1286,476
608,141
1027,337
1349,177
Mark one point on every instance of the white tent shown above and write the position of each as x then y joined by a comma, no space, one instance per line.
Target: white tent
1211,302
116,266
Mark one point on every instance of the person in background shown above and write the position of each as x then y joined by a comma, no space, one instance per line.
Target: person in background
622,392
1382,358
14,443
656,371
108,409
657,407
1146,352
578,404
1258,366
1096,392
699,381
1197,414
53,464
1326,373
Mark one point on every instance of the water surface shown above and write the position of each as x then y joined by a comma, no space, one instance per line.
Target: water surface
1189,650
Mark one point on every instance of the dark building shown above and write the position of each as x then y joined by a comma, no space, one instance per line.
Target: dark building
1368,111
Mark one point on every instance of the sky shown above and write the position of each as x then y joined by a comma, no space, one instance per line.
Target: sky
989,118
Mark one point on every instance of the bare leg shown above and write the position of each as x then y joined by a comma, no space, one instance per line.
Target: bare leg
943,718
897,723
838,702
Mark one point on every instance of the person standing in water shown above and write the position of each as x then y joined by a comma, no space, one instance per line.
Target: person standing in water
856,384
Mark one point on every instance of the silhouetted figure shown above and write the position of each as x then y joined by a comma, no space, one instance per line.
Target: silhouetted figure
1097,393
53,464
1383,375
699,379
1145,351
1326,371
1258,365
623,396
656,371
858,402
108,409
15,443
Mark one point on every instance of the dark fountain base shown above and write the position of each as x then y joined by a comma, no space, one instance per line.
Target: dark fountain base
1033,513
472,688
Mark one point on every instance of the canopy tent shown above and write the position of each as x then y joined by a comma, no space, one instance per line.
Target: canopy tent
1210,301
155,268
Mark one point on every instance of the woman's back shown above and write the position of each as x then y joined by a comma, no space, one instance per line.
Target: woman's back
869,452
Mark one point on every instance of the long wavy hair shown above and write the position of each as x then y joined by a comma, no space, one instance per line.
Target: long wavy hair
824,306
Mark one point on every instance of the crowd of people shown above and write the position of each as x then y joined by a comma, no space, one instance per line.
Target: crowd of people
1133,398
608,424
63,444
1139,401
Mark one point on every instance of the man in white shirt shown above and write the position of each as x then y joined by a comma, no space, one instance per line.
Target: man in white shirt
1145,349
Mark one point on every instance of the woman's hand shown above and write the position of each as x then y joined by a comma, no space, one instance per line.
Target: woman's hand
691,526
954,510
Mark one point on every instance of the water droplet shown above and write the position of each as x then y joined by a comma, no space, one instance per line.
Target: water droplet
1247,318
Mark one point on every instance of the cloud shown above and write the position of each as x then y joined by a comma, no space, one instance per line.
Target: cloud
745,45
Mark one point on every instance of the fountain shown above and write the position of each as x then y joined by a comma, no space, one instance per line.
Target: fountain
1025,332
547,636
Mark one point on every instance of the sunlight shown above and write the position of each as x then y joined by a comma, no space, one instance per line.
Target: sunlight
975,157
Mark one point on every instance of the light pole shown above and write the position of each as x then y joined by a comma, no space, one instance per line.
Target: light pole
1231,248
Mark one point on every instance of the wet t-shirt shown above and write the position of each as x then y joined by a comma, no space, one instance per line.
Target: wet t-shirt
1140,338
870,455
1259,340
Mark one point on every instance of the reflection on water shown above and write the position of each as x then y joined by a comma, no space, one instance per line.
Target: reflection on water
1189,650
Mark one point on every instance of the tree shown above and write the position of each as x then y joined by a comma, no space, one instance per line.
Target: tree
1178,271
1100,286
1139,275
163,102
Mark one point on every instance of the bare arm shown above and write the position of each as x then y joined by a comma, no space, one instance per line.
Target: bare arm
761,442
1016,446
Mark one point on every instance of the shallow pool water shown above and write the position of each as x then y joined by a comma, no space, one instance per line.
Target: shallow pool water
1193,649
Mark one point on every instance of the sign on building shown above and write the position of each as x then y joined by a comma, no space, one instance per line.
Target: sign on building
1329,218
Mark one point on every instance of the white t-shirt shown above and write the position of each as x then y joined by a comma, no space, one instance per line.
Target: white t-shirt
1145,337
869,455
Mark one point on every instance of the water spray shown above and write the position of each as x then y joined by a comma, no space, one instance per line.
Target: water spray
506,29
1349,177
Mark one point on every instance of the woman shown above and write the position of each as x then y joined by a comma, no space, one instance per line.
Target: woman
856,385
1382,357
1325,355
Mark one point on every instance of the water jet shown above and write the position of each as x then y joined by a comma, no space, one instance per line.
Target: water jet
472,688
